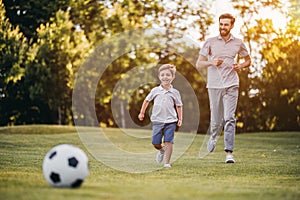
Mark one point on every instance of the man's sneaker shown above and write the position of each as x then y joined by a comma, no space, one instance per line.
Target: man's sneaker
229,159
211,144
160,156
167,165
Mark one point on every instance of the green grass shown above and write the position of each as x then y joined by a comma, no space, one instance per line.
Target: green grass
267,167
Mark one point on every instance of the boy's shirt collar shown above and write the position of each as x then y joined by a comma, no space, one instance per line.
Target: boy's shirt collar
161,88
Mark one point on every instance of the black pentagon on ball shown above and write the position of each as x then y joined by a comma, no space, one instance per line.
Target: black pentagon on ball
55,178
77,183
73,162
52,155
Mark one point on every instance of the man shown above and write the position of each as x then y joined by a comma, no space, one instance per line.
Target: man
218,55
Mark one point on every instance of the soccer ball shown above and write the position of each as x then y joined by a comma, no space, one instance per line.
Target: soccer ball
65,166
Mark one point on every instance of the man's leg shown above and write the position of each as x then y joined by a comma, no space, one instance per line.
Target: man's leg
216,117
230,100
216,111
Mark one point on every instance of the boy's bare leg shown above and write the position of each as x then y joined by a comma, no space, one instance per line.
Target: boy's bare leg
158,146
168,151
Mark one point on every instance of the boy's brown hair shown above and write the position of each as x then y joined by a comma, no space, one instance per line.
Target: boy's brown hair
170,67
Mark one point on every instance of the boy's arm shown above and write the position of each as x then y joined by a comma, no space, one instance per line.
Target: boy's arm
179,113
143,110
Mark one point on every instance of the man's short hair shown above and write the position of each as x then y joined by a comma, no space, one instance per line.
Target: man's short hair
227,16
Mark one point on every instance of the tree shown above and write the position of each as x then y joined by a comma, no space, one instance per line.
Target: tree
268,86
172,21
63,35
281,76
30,14
53,62
13,46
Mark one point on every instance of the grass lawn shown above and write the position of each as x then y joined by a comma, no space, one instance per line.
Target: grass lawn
267,167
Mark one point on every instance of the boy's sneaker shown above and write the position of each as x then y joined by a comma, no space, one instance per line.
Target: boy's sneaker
211,144
167,165
229,159
160,156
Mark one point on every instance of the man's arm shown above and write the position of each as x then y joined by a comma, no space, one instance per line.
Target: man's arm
245,64
202,62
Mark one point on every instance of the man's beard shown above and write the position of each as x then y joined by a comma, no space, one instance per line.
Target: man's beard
226,33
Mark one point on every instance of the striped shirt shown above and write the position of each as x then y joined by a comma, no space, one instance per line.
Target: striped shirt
223,76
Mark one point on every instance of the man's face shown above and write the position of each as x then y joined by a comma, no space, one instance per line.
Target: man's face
225,26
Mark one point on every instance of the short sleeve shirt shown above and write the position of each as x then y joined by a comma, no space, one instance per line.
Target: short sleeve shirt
223,76
164,104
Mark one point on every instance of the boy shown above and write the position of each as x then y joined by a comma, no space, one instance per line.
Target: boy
166,113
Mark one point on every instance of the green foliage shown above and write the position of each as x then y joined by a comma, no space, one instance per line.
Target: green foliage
30,14
281,75
270,95
52,66
13,46
38,72
122,16
89,15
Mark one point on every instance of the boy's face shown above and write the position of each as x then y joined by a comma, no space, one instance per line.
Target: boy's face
165,77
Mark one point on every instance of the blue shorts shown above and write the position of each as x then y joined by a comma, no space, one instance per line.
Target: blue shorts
165,130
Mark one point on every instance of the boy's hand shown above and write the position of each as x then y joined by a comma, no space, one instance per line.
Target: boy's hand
179,123
141,116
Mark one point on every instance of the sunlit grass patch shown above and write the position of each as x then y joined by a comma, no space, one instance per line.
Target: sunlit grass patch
267,167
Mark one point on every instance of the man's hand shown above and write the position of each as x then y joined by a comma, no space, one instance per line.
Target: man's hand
237,67
217,62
